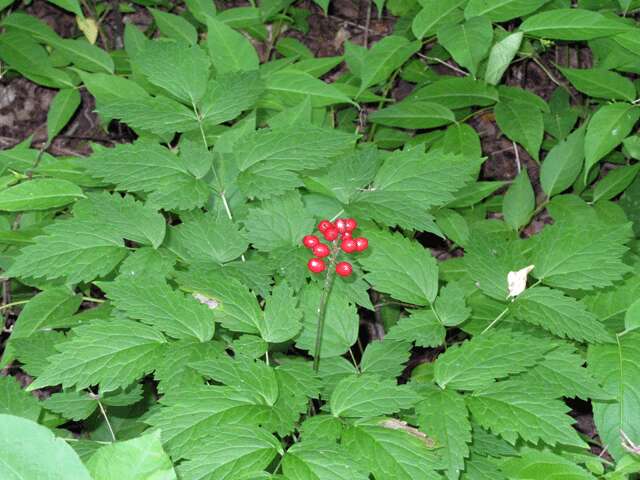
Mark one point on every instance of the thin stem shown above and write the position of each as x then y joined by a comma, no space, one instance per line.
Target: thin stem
93,300
223,197
552,76
322,308
496,320
104,415
385,92
266,357
353,359
13,304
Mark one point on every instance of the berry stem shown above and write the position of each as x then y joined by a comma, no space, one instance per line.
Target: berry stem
322,308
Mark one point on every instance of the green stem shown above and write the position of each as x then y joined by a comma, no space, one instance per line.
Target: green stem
93,300
13,304
322,308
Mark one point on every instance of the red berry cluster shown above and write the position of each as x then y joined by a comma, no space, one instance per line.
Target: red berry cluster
339,231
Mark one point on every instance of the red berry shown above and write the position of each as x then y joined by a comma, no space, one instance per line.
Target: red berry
361,244
310,241
351,224
331,234
316,265
348,245
320,250
344,269
347,235
324,225
341,225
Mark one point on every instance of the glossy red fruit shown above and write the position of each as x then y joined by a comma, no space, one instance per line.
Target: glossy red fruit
310,241
348,245
361,244
351,224
316,265
325,225
331,234
320,250
341,225
344,269
347,235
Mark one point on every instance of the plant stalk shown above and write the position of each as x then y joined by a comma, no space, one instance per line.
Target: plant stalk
322,308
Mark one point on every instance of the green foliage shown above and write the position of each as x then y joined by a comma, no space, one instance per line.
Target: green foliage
159,293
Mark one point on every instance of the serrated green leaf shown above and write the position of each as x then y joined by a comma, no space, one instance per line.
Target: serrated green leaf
478,362
41,313
141,457
413,114
229,95
281,319
191,414
521,124
601,83
383,58
237,308
76,250
32,451
388,451
561,374
232,452
537,465
615,182
469,42
320,461
421,327
434,14
72,405
453,225
502,10
128,348
451,306
150,168
254,378
292,86
401,268
409,183
560,314
278,222
386,358
159,115
33,351
519,202
210,239
15,401
563,163
571,24
511,413
39,194
61,109
181,70
155,303
369,396
581,256
229,50
174,27
616,368
443,416
132,219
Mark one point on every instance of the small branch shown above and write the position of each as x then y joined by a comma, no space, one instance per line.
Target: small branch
552,76
93,300
442,62
367,24
517,152
495,320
